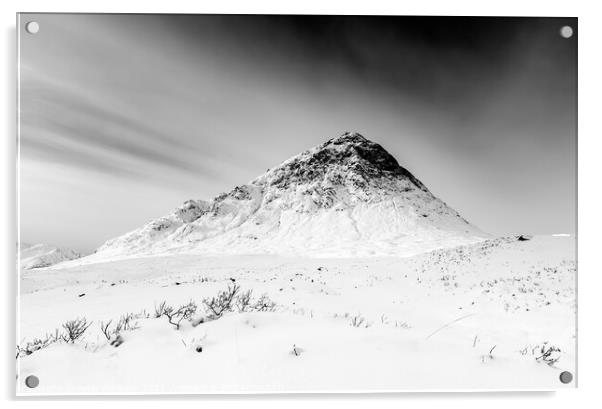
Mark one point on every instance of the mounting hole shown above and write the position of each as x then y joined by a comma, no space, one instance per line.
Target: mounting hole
32,27
566,31
32,381
566,377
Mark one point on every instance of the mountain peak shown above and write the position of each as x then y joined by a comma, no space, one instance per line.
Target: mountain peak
354,146
348,137
347,196
349,157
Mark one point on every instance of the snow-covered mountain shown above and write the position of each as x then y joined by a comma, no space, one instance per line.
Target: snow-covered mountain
43,255
345,197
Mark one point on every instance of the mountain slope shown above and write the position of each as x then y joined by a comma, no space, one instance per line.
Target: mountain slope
347,196
43,255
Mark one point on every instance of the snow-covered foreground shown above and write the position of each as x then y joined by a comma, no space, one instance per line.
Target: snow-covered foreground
471,317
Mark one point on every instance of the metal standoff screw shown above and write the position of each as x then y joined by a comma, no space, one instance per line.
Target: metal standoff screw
566,377
32,381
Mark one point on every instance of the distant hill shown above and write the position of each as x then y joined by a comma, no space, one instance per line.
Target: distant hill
43,255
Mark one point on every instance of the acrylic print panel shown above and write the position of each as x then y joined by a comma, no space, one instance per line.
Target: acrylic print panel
241,204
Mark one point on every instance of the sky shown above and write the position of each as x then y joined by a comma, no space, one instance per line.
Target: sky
124,117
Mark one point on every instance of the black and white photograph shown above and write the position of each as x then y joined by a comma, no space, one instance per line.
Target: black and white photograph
242,204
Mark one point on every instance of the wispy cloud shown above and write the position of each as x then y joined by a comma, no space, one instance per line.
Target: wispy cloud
61,125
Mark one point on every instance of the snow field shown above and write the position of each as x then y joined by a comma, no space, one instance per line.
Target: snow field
469,317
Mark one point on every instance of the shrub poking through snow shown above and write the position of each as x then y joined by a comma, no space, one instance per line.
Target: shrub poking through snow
160,309
548,354
402,324
243,301
125,323
488,356
38,343
544,353
296,350
264,304
75,329
225,301
216,306
184,312
105,329
357,321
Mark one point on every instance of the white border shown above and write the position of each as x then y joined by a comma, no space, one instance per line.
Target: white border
18,191
590,283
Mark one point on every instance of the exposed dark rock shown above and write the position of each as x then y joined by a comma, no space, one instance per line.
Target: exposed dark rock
363,159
